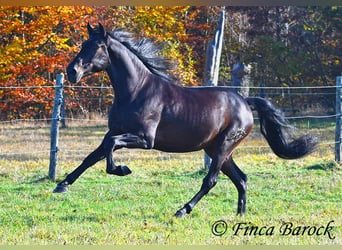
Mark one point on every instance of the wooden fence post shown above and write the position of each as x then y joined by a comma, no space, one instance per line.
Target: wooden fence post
63,112
56,116
338,137
212,66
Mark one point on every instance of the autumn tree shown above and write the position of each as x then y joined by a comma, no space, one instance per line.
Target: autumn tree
290,46
37,43
305,39
167,25
287,46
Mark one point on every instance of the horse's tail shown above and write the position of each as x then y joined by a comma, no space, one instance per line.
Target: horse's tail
278,132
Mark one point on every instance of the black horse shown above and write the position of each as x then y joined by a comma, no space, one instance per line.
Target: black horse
150,111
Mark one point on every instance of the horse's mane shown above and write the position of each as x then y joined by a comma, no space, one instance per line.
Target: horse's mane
147,51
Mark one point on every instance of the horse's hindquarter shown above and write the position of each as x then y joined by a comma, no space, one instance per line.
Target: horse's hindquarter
191,118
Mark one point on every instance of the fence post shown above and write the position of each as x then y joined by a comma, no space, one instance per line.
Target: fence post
56,116
213,58
338,137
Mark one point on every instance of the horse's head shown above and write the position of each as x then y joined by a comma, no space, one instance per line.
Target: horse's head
93,56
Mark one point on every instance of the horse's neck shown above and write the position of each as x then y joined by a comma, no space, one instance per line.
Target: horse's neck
125,72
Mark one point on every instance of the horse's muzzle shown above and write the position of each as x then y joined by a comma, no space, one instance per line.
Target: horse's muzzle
73,74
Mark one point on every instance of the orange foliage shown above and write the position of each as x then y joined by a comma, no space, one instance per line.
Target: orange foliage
36,43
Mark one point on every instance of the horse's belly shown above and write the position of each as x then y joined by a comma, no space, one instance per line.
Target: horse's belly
182,140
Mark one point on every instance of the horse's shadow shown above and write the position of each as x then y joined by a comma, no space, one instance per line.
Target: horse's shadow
326,166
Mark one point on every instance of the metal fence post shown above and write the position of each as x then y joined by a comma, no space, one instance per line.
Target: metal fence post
338,119
56,116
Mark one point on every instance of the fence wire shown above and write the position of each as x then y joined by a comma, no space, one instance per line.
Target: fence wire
29,139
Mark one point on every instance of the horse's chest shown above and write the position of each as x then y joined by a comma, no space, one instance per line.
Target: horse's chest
130,119
123,121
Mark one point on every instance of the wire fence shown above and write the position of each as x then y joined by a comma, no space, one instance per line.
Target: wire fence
322,100
29,139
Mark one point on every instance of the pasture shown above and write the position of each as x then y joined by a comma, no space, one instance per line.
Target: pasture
138,209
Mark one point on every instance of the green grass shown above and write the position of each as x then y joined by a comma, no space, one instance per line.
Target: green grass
138,209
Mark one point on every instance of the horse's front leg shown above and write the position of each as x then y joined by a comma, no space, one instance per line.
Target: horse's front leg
127,140
97,155
111,167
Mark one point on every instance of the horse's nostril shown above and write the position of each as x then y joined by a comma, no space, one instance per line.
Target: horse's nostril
72,75
72,72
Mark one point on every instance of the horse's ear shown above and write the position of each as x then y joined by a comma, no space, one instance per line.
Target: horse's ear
90,29
102,30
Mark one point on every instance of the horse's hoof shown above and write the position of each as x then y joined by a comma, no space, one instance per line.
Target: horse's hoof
123,170
60,188
180,213
120,171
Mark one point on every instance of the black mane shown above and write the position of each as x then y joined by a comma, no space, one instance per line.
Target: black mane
147,51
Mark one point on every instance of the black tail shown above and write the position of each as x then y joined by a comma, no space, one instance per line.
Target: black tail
277,131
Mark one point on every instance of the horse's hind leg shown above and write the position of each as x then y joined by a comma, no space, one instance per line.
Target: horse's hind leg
239,179
209,182
224,149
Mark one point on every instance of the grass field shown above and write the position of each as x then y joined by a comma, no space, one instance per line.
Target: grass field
138,209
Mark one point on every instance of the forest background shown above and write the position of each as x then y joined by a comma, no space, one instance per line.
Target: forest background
284,47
